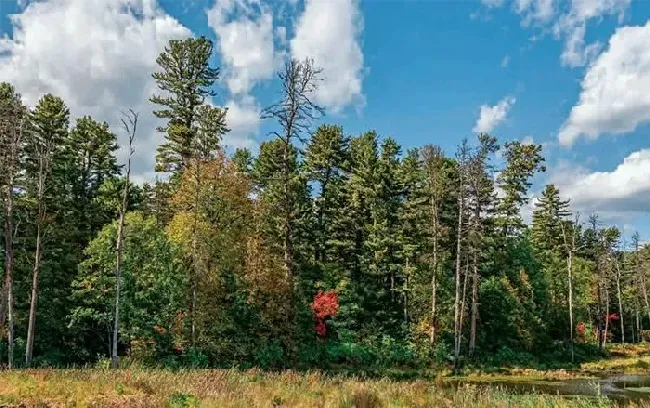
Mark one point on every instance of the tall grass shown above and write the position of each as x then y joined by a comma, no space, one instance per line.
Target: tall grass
233,388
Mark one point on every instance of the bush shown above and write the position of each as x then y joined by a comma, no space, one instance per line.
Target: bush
270,355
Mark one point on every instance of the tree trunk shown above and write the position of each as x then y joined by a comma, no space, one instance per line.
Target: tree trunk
118,277
472,333
606,315
644,290
31,329
34,300
599,317
570,270
133,121
406,293
434,276
457,310
9,265
620,301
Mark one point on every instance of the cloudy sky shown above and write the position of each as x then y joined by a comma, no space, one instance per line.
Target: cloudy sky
571,75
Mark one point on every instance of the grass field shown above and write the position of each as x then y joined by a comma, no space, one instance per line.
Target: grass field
137,387
232,388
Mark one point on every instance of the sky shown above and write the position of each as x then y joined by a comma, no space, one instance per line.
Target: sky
572,75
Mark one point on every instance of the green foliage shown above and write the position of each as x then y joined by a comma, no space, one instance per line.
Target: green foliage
222,261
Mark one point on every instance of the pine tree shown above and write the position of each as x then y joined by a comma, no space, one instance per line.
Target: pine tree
48,128
326,162
480,200
522,162
437,189
184,80
12,125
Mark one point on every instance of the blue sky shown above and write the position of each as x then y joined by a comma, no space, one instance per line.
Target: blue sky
419,71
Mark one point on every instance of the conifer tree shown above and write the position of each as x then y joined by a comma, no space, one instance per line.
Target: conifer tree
184,79
12,125
48,128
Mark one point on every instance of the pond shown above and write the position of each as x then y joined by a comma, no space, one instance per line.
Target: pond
619,387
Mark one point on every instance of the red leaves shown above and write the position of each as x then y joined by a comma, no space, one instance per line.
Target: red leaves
613,316
581,328
321,328
325,304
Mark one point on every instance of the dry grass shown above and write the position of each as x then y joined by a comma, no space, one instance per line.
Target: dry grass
231,388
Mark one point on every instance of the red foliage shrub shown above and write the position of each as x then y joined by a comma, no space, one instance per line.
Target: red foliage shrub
613,316
325,304
581,328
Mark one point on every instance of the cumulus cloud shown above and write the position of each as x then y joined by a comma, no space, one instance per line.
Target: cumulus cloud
244,32
245,38
567,19
623,190
100,65
491,116
492,3
243,118
328,31
573,26
615,96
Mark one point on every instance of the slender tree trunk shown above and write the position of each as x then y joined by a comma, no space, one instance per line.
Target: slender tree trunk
606,315
434,274
472,332
644,290
599,318
570,269
118,278
638,321
463,307
31,329
457,311
405,290
34,300
9,255
130,129
620,301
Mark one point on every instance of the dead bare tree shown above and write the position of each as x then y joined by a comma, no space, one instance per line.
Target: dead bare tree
130,125
294,113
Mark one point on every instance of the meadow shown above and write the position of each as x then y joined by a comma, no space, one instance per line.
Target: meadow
233,388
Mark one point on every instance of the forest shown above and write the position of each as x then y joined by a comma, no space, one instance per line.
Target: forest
322,250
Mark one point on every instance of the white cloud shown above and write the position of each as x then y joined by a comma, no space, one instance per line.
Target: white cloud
536,11
491,116
622,190
97,56
528,140
328,31
244,30
243,118
567,19
615,95
492,3
505,61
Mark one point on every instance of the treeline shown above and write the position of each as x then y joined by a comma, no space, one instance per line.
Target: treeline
324,250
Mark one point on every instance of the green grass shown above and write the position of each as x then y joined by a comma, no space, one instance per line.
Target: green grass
233,388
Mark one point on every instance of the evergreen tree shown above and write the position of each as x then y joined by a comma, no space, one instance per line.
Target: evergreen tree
48,128
184,80
522,162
